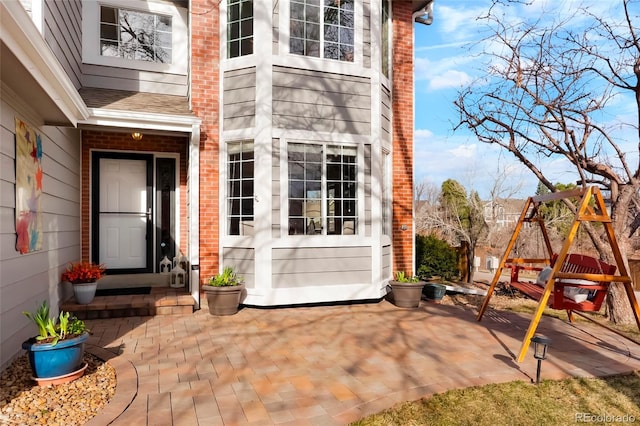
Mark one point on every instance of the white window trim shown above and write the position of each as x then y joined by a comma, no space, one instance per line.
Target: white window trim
179,34
329,65
284,192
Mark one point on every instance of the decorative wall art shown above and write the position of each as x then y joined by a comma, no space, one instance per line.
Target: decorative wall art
28,188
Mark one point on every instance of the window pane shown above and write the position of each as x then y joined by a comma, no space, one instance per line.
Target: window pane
296,189
246,27
296,171
297,11
312,190
234,30
296,46
330,33
247,9
297,29
108,31
313,31
246,46
346,19
346,54
234,49
295,207
247,188
234,206
331,51
349,189
312,14
108,14
234,188
349,172
109,48
234,12
247,206
334,190
334,171
247,169
296,226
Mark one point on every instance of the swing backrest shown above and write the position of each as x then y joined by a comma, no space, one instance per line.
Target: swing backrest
586,267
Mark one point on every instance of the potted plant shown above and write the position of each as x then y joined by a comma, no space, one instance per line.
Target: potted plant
434,292
83,277
223,292
406,290
56,354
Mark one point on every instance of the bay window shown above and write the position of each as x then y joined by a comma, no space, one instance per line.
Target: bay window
323,189
240,162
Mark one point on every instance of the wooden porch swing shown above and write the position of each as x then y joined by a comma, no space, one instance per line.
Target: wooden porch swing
577,282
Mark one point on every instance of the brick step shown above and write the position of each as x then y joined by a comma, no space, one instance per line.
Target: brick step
161,301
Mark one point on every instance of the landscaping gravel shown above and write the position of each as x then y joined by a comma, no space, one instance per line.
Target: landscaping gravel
22,402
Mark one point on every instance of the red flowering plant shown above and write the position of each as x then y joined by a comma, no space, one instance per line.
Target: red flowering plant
83,272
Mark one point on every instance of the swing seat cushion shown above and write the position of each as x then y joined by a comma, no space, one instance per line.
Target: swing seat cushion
569,294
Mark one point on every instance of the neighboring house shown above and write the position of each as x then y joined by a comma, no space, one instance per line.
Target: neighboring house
503,212
275,136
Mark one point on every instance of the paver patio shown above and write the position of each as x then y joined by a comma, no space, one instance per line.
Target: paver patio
327,365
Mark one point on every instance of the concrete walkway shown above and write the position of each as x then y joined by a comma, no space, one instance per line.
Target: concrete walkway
327,365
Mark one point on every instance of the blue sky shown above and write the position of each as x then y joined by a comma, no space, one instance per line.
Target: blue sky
443,63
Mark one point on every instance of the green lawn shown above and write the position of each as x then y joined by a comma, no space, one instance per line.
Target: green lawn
611,400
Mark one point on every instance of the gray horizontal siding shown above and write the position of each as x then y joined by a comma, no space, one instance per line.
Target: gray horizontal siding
28,279
367,190
242,260
318,266
317,101
63,33
366,34
239,99
275,28
385,112
106,77
275,189
386,261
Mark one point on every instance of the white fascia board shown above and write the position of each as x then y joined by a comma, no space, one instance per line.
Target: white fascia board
141,120
21,36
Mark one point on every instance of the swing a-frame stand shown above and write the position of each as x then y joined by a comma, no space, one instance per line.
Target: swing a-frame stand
570,273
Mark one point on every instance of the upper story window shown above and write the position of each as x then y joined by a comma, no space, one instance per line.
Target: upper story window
322,29
136,35
386,36
323,197
239,28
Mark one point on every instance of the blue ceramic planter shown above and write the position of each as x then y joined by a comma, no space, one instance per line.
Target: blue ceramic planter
49,360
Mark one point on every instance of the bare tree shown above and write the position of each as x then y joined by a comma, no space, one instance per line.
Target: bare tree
545,94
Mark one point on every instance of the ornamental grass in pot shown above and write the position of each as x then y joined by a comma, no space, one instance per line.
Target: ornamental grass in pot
223,292
56,354
83,277
406,290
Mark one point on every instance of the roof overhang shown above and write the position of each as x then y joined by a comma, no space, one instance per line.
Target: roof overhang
119,119
32,72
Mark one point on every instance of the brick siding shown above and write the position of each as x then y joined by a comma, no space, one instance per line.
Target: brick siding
205,84
402,106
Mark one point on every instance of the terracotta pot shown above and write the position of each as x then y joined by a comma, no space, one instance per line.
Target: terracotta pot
223,300
406,295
